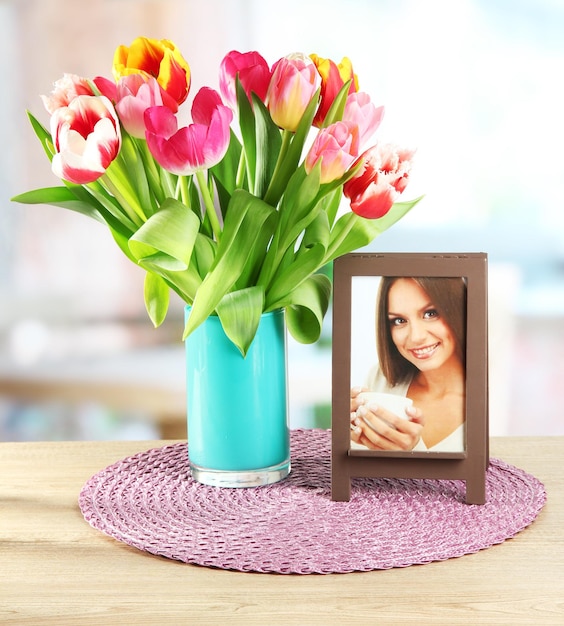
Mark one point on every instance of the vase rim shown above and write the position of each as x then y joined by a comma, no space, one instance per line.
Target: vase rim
188,307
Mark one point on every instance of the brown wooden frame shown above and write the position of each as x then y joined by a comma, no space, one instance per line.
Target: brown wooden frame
469,465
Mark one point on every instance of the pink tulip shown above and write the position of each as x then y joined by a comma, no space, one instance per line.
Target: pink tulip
87,138
135,94
294,82
337,148
254,75
360,110
383,177
199,146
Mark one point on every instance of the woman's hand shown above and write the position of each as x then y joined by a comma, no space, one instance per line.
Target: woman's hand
355,402
380,429
356,432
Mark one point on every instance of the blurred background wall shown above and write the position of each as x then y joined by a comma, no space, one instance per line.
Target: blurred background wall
474,85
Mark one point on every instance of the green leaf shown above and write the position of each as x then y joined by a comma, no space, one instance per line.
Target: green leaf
185,284
298,209
240,313
167,238
317,232
151,169
246,216
132,162
203,255
110,208
294,275
43,135
352,232
157,296
306,307
225,172
248,133
61,197
398,210
335,113
251,271
331,203
268,143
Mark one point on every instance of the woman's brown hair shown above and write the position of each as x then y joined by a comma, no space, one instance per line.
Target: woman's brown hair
448,296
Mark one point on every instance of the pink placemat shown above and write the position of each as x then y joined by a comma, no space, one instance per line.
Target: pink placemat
150,501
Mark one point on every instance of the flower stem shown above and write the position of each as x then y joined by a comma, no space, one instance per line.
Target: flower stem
208,203
151,168
127,203
241,168
168,182
184,193
334,246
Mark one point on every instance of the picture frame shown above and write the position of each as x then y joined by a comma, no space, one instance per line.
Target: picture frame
467,462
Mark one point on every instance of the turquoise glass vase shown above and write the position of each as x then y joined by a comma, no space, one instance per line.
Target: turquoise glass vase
238,430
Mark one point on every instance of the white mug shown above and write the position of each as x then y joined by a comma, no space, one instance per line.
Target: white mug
389,401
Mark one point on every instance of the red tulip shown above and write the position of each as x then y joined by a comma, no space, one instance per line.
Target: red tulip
199,146
253,71
333,77
383,177
87,139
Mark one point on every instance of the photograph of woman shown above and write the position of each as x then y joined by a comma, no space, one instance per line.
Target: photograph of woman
420,345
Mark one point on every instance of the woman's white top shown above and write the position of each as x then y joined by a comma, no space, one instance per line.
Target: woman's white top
376,381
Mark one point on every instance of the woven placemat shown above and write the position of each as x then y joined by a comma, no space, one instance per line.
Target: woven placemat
151,502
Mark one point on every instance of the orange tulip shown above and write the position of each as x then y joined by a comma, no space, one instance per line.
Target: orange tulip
160,59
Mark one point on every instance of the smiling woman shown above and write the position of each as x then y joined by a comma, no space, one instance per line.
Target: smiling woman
420,330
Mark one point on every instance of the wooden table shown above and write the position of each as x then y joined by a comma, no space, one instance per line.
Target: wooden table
56,569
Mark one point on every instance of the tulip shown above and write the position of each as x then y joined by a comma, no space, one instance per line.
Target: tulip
337,148
253,72
333,77
160,59
135,94
294,83
192,148
360,110
66,89
381,179
87,138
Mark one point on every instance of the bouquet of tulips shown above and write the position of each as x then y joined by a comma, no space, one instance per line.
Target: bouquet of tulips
237,219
